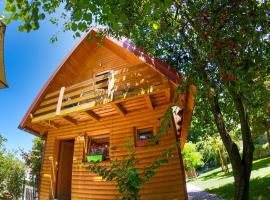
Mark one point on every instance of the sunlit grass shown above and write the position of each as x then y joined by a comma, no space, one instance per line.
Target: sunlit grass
215,181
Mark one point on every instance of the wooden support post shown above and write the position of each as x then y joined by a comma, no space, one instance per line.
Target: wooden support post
60,100
111,85
149,102
119,108
51,124
92,115
70,120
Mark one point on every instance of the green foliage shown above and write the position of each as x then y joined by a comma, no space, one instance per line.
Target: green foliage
212,149
33,160
128,177
261,151
11,172
15,176
193,159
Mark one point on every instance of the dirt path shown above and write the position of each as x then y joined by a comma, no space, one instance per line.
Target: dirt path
196,193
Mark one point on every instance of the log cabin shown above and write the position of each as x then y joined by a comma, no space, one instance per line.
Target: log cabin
100,97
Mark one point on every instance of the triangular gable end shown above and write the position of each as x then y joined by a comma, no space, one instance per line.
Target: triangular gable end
123,49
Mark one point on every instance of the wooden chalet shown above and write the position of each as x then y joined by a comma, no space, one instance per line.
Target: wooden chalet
100,97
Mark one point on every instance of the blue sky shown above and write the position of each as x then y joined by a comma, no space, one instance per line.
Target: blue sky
30,59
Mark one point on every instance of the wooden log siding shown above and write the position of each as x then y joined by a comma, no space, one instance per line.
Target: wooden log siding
167,184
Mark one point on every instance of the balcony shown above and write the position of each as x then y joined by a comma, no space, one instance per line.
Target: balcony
108,93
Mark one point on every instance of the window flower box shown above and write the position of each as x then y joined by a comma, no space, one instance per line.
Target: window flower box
94,158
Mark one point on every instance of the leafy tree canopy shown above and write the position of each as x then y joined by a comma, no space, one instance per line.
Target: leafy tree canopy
221,46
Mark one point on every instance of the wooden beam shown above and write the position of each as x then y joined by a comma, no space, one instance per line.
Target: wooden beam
119,108
168,94
51,124
92,115
60,100
149,102
70,120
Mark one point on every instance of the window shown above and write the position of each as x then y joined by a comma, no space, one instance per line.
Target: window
98,149
103,78
143,136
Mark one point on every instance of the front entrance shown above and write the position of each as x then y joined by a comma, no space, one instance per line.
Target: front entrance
64,173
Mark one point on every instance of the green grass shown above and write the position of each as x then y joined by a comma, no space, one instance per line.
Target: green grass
215,181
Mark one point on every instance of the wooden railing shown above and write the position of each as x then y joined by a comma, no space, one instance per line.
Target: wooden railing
74,95
108,87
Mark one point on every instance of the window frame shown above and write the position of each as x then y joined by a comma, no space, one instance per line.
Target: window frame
144,143
89,141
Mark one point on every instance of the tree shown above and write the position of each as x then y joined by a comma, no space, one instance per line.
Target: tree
212,146
223,46
14,176
192,158
2,164
11,172
33,160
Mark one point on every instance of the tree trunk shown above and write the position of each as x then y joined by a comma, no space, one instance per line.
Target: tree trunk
241,166
248,146
268,137
223,162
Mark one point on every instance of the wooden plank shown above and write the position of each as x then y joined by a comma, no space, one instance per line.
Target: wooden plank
149,102
73,101
60,100
70,120
92,115
73,93
65,112
187,113
78,85
168,94
119,109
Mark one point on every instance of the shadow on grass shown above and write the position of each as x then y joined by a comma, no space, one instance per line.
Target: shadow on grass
265,162
220,174
259,189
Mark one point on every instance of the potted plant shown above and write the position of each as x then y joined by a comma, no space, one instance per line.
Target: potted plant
94,157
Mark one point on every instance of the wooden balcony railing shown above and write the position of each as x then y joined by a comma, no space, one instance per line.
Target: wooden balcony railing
105,88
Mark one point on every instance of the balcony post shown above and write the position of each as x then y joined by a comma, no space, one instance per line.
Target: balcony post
60,100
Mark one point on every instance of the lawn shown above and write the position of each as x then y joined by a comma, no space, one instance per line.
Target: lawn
215,181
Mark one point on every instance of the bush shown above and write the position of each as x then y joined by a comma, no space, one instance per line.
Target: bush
193,159
11,172
261,151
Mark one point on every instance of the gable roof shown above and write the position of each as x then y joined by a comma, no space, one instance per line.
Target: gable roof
157,64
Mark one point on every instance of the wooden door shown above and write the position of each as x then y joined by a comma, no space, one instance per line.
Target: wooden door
64,174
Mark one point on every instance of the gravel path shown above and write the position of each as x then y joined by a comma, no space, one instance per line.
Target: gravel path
196,193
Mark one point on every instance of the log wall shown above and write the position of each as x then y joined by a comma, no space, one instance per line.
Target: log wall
169,182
